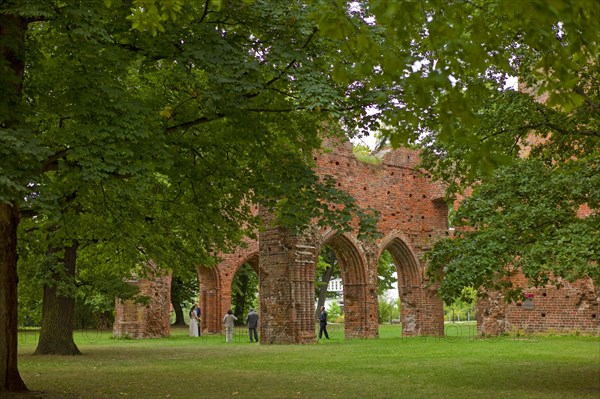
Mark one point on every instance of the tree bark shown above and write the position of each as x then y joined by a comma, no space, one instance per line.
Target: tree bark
179,318
58,312
10,379
12,50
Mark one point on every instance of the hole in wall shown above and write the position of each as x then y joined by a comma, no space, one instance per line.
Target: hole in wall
543,314
593,315
543,294
337,163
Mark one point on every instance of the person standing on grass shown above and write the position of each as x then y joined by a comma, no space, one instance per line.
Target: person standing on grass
199,319
193,322
252,322
323,323
228,320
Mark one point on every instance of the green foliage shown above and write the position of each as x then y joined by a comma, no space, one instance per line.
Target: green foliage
386,267
244,292
463,308
526,218
334,312
363,154
388,309
443,67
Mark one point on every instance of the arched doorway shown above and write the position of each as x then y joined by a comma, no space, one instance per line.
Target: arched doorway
421,310
359,287
245,289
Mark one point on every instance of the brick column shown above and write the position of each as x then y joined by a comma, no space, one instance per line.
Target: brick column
150,321
286,273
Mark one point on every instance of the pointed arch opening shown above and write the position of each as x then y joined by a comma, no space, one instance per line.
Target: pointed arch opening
421,310
245,288
356,304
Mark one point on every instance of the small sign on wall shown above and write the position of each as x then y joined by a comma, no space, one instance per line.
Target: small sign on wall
528,302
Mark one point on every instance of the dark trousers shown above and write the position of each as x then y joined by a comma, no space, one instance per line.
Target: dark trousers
323,330
252,330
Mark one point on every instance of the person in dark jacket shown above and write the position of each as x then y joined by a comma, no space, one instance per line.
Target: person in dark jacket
199,314
323,323
252,322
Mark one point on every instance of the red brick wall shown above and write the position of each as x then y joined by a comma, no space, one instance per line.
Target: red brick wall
574,307
413,214
149,321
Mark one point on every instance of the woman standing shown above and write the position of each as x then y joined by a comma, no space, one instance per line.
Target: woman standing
193,322
228,320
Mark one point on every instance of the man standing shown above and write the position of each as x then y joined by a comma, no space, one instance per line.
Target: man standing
198,314
323,323
252,322
228,320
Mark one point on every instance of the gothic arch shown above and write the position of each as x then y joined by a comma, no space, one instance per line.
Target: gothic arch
360,291
215,285
421,308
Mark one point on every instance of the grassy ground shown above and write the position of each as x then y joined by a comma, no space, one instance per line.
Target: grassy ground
459,365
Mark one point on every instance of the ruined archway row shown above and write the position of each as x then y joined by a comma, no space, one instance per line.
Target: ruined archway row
412,215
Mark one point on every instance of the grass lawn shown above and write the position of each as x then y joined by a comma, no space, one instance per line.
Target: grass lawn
458,366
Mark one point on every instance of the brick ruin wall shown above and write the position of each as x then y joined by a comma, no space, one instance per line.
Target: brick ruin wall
570,308
412,215
145,321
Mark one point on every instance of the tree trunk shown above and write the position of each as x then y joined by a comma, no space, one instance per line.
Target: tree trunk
12,51
10,379
58,312
323,290
240,303
179,318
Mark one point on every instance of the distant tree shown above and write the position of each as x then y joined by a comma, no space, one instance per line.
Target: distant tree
327,268
386,267
244,292
184,289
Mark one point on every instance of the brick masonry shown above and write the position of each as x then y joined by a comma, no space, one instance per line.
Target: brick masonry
570,308
413,214
145,321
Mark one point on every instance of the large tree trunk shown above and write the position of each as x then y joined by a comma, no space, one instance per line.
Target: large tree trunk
179,318
12,51
10,379
58,312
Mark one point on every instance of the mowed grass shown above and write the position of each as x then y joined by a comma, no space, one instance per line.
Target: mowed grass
457,366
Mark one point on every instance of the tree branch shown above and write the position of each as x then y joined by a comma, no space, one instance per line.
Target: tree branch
51,163
192,123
